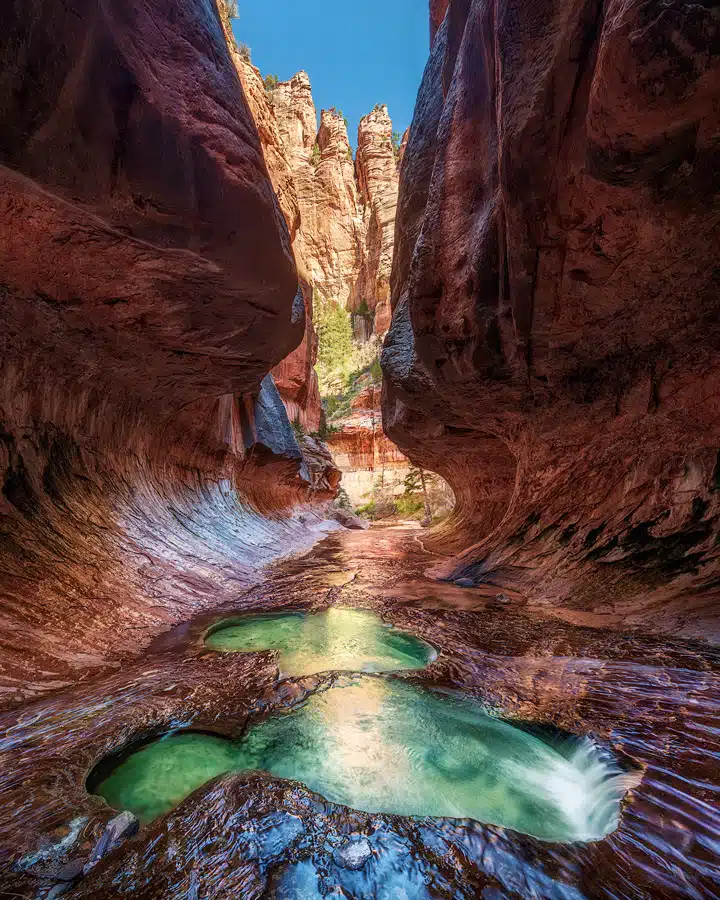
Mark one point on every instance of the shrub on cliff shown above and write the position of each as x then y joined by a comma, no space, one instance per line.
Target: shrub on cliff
271,82
396,140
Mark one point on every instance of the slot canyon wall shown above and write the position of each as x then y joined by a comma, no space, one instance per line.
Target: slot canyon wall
554,348
147,287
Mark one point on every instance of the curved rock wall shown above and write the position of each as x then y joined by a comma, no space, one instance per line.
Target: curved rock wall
553,350
147,286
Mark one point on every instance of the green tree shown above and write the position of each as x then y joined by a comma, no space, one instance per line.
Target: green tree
315,155
416,482
343,500
396,141
334,329
271,82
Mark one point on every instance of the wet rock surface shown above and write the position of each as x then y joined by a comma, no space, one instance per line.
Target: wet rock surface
654,701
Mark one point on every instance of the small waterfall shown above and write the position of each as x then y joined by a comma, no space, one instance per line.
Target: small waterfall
588,785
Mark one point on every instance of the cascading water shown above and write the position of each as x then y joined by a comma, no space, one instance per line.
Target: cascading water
383,745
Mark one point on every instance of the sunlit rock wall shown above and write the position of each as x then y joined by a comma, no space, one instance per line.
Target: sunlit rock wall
368,460
377,173
147,286
295,376
331,229
554,345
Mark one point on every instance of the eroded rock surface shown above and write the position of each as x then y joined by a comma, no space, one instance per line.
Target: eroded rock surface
377,173
259,836
147,287
554,345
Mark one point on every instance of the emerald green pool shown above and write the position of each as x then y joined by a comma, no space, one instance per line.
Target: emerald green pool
383,745
345,640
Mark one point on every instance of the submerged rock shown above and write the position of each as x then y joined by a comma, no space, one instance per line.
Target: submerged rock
464,582
117,830
354,854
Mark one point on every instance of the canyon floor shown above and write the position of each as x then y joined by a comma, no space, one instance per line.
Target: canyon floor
652,700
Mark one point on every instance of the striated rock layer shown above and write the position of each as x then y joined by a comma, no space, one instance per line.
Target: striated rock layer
377,173
147,286
554,345
367,458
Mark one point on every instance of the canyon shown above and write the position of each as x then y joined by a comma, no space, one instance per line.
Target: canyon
536,259
340,213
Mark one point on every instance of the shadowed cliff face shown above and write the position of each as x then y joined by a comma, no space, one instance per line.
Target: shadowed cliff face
146,288
553,351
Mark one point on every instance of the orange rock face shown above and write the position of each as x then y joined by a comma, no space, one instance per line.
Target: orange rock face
553,350
363,452
341,216
273,146
347,209
330,237
377,172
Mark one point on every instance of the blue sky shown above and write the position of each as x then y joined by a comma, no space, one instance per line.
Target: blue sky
356,52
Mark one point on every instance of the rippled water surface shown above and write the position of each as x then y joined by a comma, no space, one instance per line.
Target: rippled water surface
349,640
385,746
402,742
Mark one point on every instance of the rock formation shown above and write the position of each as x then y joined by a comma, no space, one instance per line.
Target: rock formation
295,376
347,210
554,344
343,245
147,287
341,215
366,457
330,237
377,172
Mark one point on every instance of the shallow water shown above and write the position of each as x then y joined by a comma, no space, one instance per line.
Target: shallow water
654,699
385,746
344,640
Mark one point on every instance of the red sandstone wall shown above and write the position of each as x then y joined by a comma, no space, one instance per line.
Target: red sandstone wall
147,286
554,345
